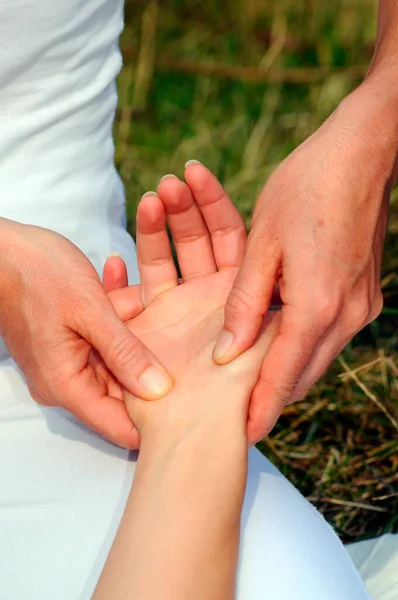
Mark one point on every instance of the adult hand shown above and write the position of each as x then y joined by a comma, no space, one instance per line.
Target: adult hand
60,327
318,232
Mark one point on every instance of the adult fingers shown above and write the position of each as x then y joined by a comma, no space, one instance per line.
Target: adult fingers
351,319
249,298
35,394
107,415
190,234
288,357
114,274
155,259
226,227
124,354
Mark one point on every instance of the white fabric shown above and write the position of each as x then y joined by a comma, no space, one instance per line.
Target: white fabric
62,488
58,66
377,562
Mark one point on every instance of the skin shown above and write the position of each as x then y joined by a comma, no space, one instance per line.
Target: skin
56,337
182,520
210,239
318,233
336,182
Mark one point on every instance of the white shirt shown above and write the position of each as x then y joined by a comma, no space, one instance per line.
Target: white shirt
58,97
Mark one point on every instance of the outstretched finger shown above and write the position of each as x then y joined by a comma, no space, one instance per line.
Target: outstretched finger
190,234
155,259
226,227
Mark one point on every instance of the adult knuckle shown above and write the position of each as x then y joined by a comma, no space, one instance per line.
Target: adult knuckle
376,306
126,351
327,308
266,429
359,312
281,391
240,301
362,312
299,393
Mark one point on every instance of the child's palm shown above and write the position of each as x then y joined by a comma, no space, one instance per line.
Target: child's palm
180,322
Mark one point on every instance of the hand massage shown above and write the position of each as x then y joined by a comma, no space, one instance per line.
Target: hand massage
135,379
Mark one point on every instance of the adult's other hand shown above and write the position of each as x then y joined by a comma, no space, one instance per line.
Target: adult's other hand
58,322
318,232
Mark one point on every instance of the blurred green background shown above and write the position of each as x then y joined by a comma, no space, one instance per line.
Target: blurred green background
237,85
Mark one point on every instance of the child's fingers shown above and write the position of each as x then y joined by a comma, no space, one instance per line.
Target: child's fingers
155,259
190,234
127,302
114,275
226,227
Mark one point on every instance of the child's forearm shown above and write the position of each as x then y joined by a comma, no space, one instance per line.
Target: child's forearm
179,535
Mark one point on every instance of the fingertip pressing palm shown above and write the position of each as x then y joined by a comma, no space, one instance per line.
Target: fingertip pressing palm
180,321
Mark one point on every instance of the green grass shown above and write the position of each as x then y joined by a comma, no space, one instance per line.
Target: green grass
191,88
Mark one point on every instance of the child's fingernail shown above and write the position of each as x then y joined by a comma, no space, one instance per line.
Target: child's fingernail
192,162
168,176
224,344
155,382
114,254
149,194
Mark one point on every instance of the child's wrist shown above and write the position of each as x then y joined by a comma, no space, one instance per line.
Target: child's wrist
222,446
163,435
178,417
171,429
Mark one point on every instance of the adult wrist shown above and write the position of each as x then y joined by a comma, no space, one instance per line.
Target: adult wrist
371,111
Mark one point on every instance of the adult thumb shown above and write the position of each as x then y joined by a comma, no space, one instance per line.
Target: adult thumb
128,359
249,299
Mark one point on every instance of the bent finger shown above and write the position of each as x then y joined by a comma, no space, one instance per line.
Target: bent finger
35,395
106,415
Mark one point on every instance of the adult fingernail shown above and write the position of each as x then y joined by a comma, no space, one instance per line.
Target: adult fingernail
155,381
149,194
168,176
192,162
223,345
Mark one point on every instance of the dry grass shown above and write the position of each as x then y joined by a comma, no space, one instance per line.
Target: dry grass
238,85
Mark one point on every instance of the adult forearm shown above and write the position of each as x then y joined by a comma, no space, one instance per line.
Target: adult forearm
385,59
371,111
179,535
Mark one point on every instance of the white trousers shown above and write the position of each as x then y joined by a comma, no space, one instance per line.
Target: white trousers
63,490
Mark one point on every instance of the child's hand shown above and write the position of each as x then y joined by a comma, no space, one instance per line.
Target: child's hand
180,323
